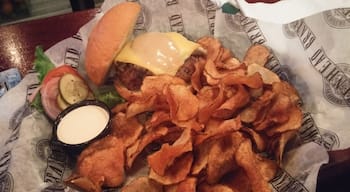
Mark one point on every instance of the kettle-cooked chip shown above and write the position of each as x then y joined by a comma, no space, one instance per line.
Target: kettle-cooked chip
258,54
178,98
188,185
246,159
162,159
142,184
204,187
177,172
268,76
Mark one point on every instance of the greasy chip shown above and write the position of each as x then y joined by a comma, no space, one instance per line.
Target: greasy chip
162,159
246,159
177,172
258,139
231,105
258,54
268,76
128,130
225,148
204,187
179,97
238,181
135,149
188,185
142,184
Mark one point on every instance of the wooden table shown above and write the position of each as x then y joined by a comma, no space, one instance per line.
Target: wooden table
17,43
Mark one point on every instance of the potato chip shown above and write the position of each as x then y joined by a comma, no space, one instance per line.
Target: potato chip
293,123
142,184
120,108
254,111
128,130
206,108
156,84
209,79
177,172
246,159
218,128
279,143
141,105
196,78
232,104
258,54
258,140
204,187
201,152
286,89
277,113
158,118
267,167
238,181
162,159
221,159
190,124
130,96
179,97
267,76
211,70
135,149
229,64
82,183
253,80
212,46
188,185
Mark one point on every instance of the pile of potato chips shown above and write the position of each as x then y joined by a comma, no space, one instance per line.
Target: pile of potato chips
223,129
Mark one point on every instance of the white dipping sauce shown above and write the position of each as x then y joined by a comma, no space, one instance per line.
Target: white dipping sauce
82,124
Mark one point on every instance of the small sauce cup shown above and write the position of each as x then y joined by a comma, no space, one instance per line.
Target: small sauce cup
80,124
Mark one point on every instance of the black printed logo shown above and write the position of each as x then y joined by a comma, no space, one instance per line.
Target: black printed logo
72,57
203,6
336,77
233,21
6,183
332,95
338,18
286,183
56,164
207,8
310,132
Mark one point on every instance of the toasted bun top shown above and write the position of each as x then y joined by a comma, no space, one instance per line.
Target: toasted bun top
107,38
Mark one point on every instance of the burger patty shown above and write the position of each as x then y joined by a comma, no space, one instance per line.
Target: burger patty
131,76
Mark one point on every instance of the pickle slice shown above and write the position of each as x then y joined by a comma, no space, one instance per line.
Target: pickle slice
62,104
72,88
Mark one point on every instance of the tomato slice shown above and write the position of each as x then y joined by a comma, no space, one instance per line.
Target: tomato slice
59,72
49,94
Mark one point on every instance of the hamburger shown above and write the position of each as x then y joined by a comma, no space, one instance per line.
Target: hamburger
110,45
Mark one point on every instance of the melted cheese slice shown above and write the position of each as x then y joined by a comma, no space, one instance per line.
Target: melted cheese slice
161,53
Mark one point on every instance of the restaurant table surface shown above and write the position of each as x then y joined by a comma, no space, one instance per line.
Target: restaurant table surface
18,42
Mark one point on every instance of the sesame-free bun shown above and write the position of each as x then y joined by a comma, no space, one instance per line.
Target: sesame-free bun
107,38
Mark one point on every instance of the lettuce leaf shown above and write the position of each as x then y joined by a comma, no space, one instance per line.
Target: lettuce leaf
36,103
42,63
108,95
